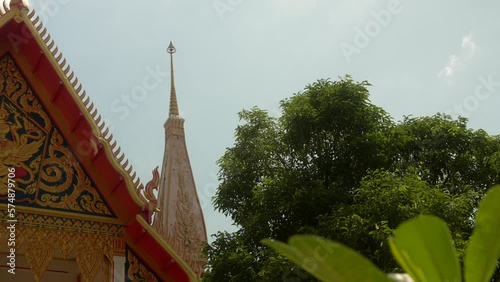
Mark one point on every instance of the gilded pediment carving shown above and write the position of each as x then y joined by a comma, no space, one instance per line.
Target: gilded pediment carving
48,173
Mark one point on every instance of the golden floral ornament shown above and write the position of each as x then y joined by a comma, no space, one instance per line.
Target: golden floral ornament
90,259
94,253
39,253
64,244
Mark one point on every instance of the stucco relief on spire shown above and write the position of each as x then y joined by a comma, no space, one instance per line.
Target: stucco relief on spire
180,218
185,238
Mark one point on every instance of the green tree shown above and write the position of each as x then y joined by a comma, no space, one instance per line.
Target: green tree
383,200
337,166
423,246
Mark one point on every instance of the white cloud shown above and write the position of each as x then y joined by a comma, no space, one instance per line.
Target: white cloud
457,63
468,44
454,64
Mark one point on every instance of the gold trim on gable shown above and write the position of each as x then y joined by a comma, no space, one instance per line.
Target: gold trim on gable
148,228
55,57
49,222
55,213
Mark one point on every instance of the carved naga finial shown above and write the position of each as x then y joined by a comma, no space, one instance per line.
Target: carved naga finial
146,193
151,186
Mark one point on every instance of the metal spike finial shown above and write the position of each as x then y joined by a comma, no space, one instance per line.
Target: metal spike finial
171,48
174,108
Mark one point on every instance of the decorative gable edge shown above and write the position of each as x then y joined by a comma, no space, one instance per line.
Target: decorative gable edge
145,232
100,131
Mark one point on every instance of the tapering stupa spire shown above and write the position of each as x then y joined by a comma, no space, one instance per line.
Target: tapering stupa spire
174,108
179,220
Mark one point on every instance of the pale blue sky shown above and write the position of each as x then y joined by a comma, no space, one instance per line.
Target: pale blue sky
422,57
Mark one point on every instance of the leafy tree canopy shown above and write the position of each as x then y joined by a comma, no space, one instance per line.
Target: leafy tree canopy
337,166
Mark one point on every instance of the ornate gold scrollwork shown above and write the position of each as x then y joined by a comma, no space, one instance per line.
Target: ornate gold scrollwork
64,224
90,259
39,253
49,173
94,252
137,271
65,244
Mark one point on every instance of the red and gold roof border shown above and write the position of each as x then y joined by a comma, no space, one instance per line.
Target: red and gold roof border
140,232
88,112
67,97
